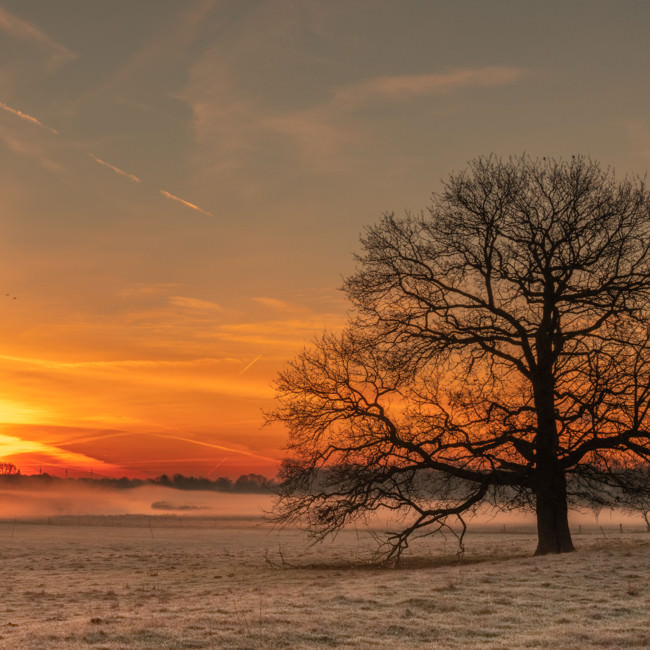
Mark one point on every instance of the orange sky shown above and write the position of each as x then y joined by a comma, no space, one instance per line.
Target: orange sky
176,387
183,185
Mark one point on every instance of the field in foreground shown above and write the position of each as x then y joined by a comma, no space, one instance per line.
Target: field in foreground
142,582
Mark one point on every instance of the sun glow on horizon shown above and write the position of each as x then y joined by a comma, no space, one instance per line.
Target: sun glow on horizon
13,412
16,450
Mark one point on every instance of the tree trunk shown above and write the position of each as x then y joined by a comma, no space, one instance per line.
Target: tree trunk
553,534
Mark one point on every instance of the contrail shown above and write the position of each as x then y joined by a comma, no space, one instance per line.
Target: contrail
187,203
28,118
117,170
99,161
214,446
163,461
255,360
211,445
92,438
165,436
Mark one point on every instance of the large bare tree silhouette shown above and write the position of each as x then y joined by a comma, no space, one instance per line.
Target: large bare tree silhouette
498,351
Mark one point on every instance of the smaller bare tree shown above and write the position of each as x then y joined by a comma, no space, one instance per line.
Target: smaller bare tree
8,469
635,494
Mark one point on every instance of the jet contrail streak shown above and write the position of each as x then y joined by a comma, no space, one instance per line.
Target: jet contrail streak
211,445
187,203
117,170
165,436
99,161
255,360
28,118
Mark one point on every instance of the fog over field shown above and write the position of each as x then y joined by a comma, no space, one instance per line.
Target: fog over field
27,500
75,498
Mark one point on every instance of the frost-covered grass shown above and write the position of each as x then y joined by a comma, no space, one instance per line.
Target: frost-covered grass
143,583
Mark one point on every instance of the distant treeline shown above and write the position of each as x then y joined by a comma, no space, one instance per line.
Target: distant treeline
247,483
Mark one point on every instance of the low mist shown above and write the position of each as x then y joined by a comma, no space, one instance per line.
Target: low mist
25,502
29,501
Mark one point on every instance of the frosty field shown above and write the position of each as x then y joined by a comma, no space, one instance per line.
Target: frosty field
140,581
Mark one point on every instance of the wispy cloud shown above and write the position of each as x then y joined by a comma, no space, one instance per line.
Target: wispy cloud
321,133
328,134
26,117
407,87
195,303
140,289
274,303
193,206
30,149
20,28
129,377
163,46
119,364
11,446
113,168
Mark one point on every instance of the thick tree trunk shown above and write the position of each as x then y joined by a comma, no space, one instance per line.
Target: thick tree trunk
553,534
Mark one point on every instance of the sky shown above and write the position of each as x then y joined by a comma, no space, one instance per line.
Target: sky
183,185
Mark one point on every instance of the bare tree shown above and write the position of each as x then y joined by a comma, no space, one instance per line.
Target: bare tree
8,469
498,346
634,493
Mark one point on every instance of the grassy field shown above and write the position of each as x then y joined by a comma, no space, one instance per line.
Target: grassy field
171,582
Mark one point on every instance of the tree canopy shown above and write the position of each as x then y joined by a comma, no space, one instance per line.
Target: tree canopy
498,351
